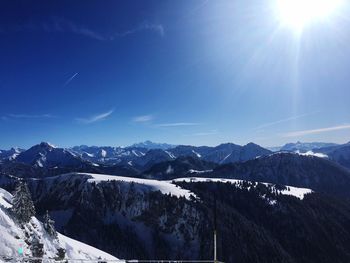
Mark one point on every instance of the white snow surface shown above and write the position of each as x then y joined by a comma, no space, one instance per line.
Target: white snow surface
197,154
166,187
311,153
12,238
192,171
169,187
170,155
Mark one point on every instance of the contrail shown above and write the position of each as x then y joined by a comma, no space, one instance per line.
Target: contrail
70,79
96,117
315,131
285,120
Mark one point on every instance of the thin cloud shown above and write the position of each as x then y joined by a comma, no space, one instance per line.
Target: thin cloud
62,25
143,118
95,118
27,116
284,120
70,79
205,133
177,124
157,28
316,131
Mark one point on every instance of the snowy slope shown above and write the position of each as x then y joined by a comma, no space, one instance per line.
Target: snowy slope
169,187
47,155
10,154
290,190
13,237
165,187
311,153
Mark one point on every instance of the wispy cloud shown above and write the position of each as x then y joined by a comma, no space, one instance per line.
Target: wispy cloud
58,24
27,116
177,124
284,120
70,79
62,25
95,118
205,133
143,118
315,131
157,28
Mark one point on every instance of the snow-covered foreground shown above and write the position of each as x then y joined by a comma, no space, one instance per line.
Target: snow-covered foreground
169,187
13,237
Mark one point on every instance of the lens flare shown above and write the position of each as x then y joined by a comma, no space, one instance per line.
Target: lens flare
299,13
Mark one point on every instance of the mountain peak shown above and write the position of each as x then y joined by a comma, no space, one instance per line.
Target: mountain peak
152,145
252,144
47,145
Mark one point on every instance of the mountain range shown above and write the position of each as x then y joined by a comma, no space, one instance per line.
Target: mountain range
156,202
45,159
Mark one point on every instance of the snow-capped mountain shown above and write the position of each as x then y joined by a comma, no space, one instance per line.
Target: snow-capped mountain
10,154
107,154
149,145
305,146
47,155
145,157
14,237
223,153
45,159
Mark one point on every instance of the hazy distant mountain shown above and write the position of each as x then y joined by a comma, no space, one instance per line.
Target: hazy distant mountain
274,148
152,145
305,146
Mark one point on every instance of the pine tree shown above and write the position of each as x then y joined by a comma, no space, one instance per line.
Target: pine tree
49,225
23,206
37,249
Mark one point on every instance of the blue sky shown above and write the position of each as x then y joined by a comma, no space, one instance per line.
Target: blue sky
182,72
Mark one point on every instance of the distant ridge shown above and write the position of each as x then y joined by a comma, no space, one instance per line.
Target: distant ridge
149,145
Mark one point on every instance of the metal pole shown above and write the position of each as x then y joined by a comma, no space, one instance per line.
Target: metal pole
215,254
215,247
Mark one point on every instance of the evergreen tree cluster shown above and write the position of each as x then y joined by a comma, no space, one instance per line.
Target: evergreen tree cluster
22,203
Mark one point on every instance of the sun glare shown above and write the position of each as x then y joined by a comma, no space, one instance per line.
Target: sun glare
299,13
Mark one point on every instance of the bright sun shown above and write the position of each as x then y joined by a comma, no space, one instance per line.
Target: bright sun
299,13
